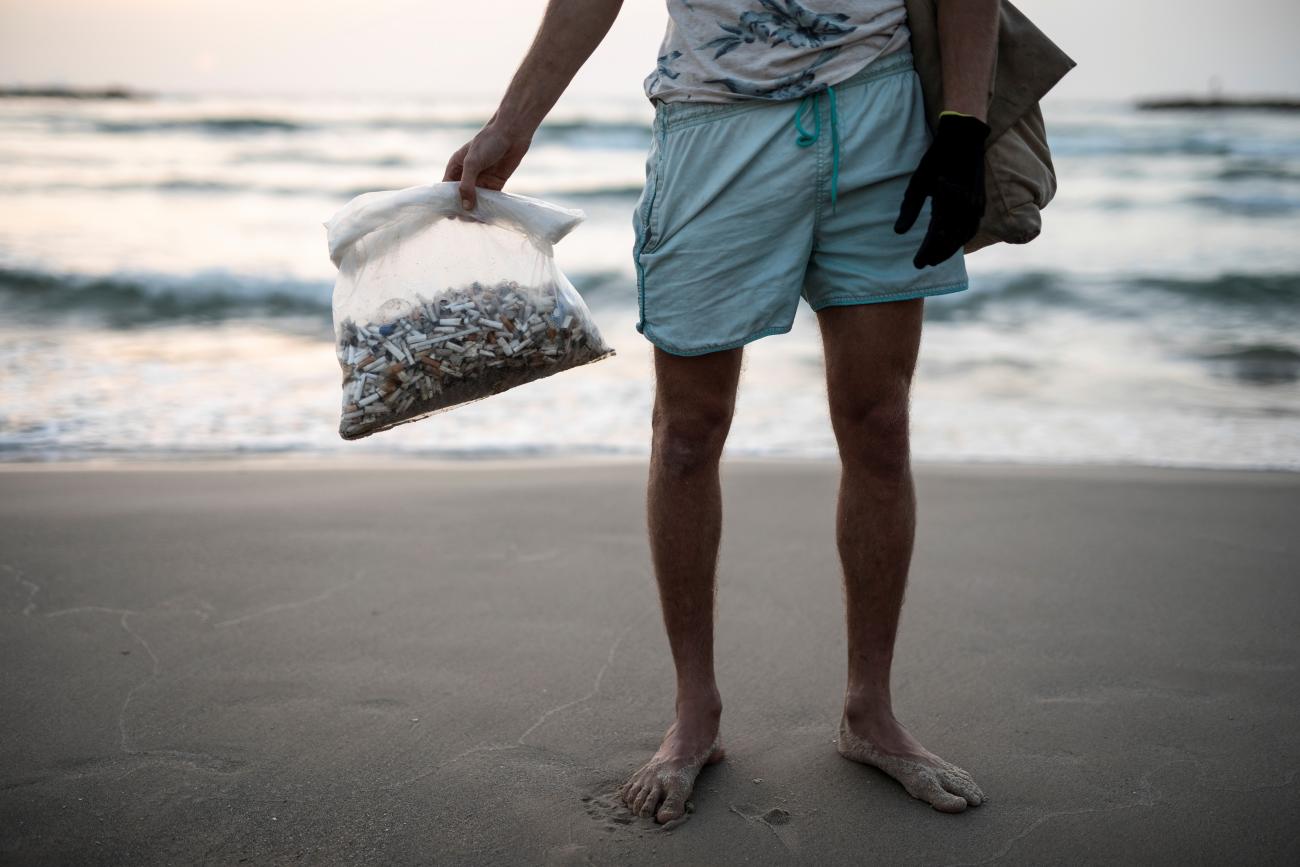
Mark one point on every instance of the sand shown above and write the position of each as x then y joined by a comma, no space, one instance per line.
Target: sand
460,665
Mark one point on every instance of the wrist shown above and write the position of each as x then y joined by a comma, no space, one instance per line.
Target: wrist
965,111
515,118
957,127
513,126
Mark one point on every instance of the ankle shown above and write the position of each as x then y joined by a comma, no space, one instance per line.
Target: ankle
867,705
699,703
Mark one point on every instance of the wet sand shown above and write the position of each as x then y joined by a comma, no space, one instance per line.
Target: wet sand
460,665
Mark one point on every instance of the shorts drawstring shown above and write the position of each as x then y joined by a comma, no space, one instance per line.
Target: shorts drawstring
805,139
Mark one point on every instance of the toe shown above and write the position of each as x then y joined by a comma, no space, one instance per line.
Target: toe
945,802
651,801
634,797
674,806
926,787
965,788
967,781
629,790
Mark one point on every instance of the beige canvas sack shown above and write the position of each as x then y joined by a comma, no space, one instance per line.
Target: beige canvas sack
1019,177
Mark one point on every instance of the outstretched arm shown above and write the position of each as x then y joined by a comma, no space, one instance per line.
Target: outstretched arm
570,32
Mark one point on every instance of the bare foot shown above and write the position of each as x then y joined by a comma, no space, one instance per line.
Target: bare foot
881,741
662,785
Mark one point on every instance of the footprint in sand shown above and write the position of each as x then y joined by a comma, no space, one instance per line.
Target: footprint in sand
775,819
568,855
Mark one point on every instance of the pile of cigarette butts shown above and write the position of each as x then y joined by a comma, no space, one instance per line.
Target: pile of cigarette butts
462,345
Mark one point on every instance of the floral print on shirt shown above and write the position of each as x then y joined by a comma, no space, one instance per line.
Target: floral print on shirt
729,50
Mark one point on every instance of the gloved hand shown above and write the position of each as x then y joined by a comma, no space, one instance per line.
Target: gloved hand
952,174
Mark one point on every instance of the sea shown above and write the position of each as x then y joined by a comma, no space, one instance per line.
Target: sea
165,291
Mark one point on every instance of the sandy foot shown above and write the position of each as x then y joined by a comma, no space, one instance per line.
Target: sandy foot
941,784
661,787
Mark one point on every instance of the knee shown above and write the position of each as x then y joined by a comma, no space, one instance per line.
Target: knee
873,434
686,440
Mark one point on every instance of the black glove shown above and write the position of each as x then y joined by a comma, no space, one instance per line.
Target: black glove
952,174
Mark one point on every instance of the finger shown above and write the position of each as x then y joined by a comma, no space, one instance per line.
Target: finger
453,170
468,182
962,229
924,252
937,246
945,247
934,256
491,182
455,164
913,201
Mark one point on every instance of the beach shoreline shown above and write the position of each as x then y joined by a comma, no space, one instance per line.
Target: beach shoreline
275,462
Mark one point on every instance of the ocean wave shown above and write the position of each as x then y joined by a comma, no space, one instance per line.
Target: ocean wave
1111,297
62,92
993,291
1233,289
1257,170
583,133
122,300
614,191
176,185
1257,363
208,125
558,194
586,135
130,298
341,193
575,133
297,156
1259,205
1075,140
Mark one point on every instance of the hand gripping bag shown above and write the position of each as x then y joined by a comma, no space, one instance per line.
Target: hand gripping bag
436,306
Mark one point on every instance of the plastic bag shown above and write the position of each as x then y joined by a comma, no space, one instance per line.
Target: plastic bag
435,306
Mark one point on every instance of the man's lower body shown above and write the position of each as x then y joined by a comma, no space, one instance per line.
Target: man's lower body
746,209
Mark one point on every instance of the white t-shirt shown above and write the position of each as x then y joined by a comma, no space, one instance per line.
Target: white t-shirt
730,50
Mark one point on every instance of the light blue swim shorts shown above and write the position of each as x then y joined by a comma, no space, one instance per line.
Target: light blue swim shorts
749,206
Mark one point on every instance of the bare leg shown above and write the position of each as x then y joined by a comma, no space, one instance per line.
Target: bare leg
694,400
871,353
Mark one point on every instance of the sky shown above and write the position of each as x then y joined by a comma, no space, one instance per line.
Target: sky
1125,48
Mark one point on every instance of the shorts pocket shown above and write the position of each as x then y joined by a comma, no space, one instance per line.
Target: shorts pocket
645,216
645,220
